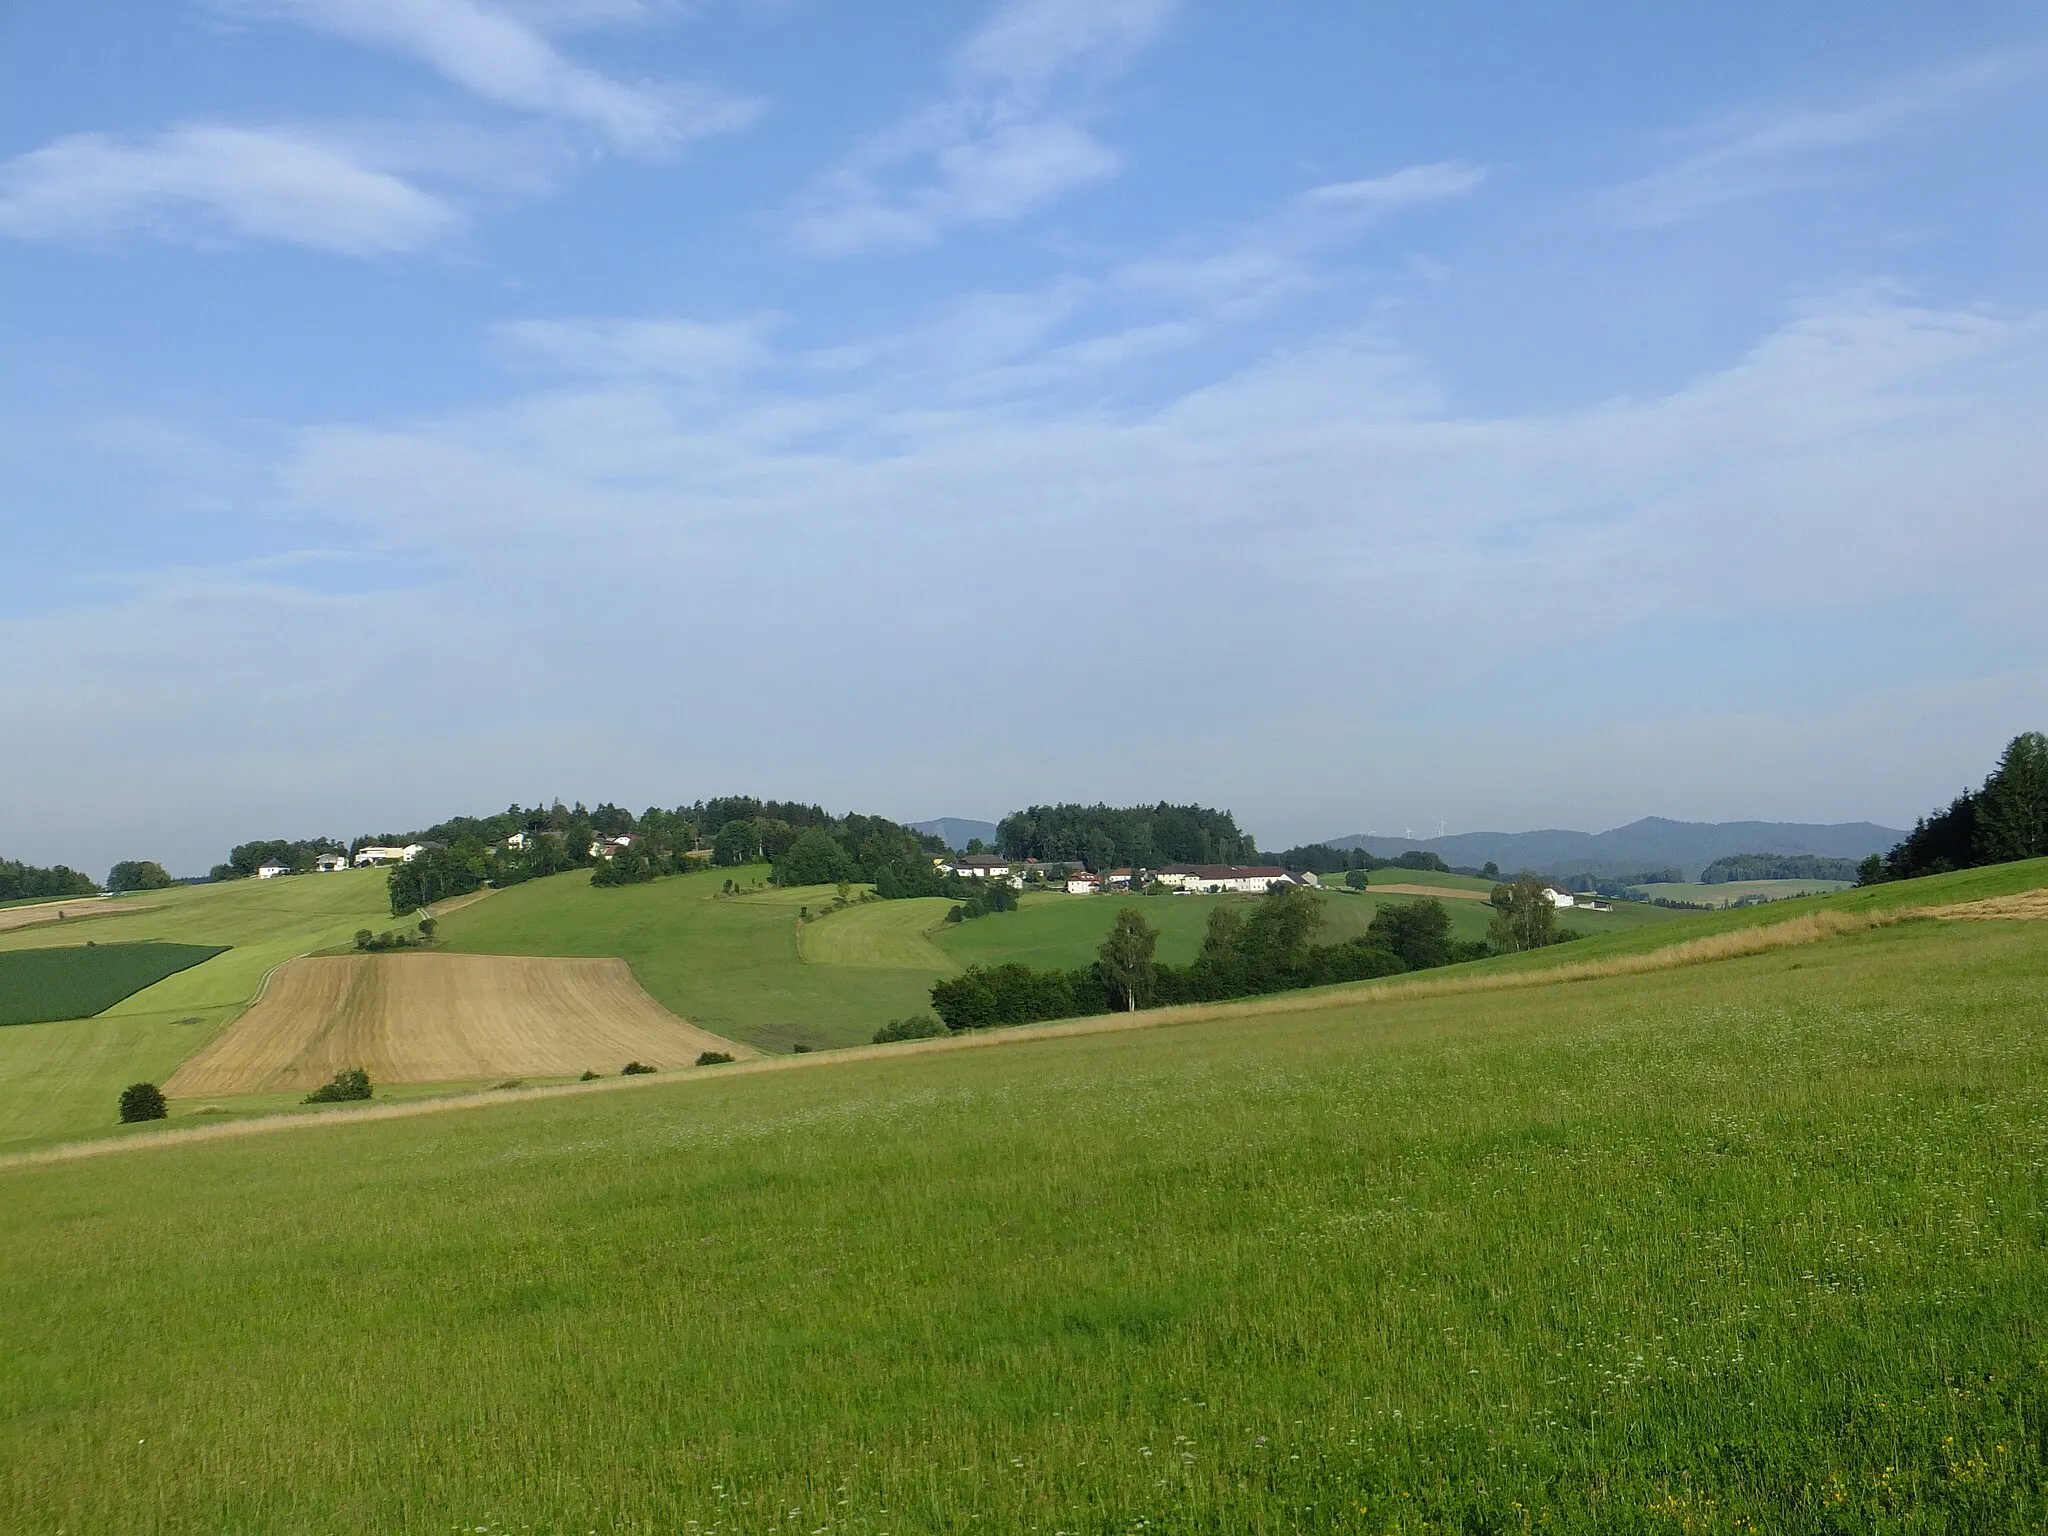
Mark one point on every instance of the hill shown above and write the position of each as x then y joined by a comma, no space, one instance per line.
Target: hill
1653,843
1751,1244
956,832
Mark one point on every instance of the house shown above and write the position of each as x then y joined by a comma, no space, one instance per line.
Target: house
1218,879
982,866
519,842
609,847
1558,896
270,869
329,863
1306,877
1081,883
1120,879
376,855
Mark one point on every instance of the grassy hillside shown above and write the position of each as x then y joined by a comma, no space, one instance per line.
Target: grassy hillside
60,1078
731,965
1748,1246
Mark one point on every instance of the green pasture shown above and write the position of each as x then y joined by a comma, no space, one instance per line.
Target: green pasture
730,964
61,1079
1736,890
75,981
1750,1246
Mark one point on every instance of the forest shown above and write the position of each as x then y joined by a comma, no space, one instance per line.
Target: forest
2003,820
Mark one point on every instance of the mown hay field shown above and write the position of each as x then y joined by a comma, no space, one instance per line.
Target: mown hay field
882,935
77,981
1749,1245
440,1019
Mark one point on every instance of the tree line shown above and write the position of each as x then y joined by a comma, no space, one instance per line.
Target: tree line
2004,820
1246,952
1322,859
27,882
1777,866
1130,837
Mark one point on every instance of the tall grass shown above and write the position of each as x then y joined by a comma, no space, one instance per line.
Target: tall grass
1748,1245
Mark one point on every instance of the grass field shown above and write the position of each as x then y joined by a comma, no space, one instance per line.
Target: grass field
38,986
1752,1245
440,1019
1736,890
63,1078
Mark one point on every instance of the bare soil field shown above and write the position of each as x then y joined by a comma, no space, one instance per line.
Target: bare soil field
71,907
442,1019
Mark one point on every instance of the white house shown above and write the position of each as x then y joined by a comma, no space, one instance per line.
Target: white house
982,866
1081,883
330,863
1218,879
270,869
376,855
608,847
518,841
1558,896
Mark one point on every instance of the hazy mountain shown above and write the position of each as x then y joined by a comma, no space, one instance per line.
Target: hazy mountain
958,830
1652,843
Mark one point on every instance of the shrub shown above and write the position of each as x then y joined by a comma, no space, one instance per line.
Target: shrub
587,1077
920,1026
713,1058
800,1049
350,1084
142,1101
636,1069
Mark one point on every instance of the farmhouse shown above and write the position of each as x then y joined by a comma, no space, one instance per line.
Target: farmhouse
331,863
608,847
982,866
1558,896
270,869
1081,883
1120,879
376,855
1217,878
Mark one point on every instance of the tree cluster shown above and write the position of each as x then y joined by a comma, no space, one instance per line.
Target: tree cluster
1135,837
1322,859
1776,866
1246,952
1524,916
982,898
2006,819
139,875
296,854
25,882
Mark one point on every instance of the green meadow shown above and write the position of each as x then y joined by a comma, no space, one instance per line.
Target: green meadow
1737,890
74,981
1750,1245
62,1078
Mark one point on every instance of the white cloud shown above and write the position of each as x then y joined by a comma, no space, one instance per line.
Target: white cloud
679,349
1003,143
205,179
490,51
1801,148
1404,188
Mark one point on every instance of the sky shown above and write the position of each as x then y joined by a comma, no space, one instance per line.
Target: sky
1358,416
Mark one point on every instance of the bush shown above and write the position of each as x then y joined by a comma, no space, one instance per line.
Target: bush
920,1026
587,1077
350,1085
713,1058
636,1069
143,1101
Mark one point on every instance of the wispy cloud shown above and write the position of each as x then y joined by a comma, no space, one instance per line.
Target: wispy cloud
1003,142
674,349
1804,147
494,53
203,180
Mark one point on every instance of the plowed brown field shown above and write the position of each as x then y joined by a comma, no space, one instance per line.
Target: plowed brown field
442,1019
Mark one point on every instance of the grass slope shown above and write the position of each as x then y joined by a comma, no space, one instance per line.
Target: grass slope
728,964
1735,890
1749,1246
38,986
61,1078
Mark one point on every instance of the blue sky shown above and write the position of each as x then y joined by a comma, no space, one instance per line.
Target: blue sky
1358,416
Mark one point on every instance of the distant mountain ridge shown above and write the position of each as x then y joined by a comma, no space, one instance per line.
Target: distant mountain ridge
957,831
1650,844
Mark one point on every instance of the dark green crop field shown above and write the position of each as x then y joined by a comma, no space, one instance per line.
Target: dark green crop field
77,981
1754,1244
